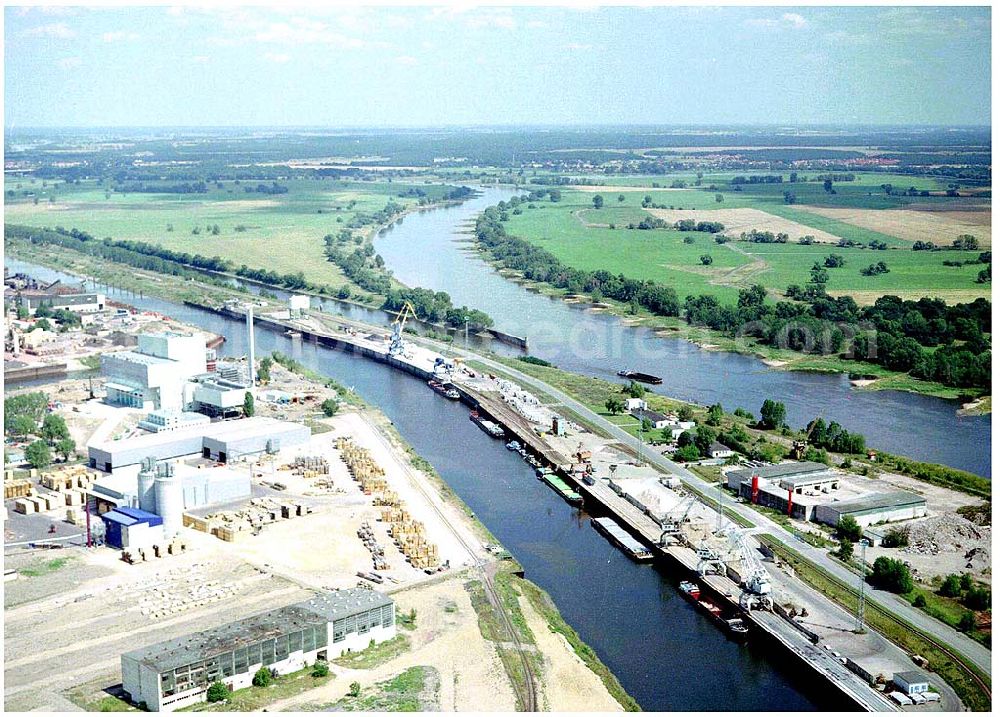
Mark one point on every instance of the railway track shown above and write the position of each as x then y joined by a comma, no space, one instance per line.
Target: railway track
527,692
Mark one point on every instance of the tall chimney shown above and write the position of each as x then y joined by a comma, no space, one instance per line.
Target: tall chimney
251,357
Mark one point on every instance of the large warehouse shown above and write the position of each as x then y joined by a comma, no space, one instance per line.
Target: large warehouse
875,508
176,673
221,441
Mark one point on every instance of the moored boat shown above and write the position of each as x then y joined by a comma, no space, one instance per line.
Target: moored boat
444,389
690,589
487,425
640,376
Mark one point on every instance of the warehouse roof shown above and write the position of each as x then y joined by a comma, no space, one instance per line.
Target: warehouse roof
136,357
911,677
783,470
250,426
878,501
182,651
131,516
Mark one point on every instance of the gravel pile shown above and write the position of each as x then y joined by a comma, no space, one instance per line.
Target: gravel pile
951,534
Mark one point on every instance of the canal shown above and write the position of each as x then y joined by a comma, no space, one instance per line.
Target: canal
666,655
429,250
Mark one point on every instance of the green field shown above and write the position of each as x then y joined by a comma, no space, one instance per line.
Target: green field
580,236
283,232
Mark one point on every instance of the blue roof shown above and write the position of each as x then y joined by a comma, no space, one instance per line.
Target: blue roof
131,516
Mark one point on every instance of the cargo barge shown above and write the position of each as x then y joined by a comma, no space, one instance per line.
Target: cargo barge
444,389
488,426
734,625
561,487
642,377
617,535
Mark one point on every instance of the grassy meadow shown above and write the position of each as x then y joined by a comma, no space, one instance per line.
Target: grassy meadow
280,232
581,236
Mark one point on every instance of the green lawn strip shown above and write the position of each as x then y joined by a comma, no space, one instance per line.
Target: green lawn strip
375,654
958,674
92,699
542,603
413,690
254,699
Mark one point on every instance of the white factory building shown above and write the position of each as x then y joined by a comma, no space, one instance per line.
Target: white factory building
222,441
156,375
174,674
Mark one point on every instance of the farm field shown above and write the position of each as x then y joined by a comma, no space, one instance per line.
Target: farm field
581,237
281,232
933,226
737,221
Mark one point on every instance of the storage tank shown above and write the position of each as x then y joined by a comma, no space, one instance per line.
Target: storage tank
169,502
147,492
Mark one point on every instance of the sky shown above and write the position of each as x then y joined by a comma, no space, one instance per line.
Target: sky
437,66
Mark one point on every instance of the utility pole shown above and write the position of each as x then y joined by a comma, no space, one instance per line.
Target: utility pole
860,627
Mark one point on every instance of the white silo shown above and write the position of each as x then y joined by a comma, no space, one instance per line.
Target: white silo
147,491
169,502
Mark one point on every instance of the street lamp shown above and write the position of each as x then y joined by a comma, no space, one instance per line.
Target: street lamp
860,627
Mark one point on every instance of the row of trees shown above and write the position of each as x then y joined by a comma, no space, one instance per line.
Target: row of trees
436,306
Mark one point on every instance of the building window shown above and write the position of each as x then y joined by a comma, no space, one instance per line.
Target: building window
294,642
320,635
281,647
267,652
387,616
308,640
253,654
240,664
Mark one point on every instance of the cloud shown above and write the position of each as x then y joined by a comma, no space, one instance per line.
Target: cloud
406,60
303,31
796,20
68,63
536,24
277,57
201,59
57,29
788,20
119,36
577,46
476,18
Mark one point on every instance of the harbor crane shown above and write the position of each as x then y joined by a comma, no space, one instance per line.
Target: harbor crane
755,577
672,526
396,340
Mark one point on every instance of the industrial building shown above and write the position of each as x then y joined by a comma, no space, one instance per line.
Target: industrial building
160,421
875,508
220,441
59,296
911,682
157,374
806,490
176,673
131,528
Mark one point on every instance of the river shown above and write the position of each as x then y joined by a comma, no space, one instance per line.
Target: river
428,250
666,655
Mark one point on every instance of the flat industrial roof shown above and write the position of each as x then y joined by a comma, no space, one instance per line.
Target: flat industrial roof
782,470
221,429
144,359
181,651
878,501
912,677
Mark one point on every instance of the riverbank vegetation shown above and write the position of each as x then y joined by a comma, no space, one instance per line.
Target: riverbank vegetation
926,339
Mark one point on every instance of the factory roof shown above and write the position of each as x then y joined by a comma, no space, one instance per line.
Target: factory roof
911,677
784,471
131,516
136,357
654,416
182,651
220,429
878,501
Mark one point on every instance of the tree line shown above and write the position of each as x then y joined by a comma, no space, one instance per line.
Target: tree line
902,333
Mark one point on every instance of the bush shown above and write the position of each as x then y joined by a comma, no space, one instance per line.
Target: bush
977,599
920,600
330,407
951,587
689,452
355,690
896,538
262,677
848,529
320,669
38,454
967,622
217,692
892,575
846,550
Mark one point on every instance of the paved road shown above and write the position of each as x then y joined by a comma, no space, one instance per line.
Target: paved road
975,652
